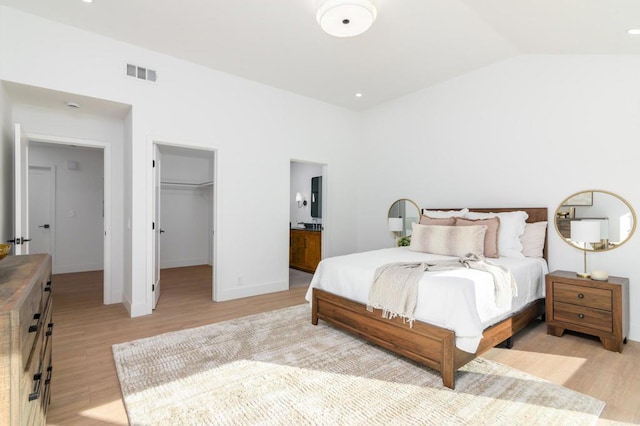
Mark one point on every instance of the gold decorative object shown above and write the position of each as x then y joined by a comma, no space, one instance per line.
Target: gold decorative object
4,250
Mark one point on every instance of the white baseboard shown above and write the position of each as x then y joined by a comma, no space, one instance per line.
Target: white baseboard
252,290
69,269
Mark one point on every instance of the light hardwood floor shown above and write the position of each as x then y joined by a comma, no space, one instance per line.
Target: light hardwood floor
85,389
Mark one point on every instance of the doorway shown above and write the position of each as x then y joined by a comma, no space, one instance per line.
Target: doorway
42,152
307,219
183,238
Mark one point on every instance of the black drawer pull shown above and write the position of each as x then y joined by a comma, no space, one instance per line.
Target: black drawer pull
580,296
581,316
48,287
49,374
36,394
50,330
36,316
33,328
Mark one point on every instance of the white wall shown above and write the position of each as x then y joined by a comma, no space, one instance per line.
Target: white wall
75,124
529,131
186,212
301,174
255,129
79,221
6,167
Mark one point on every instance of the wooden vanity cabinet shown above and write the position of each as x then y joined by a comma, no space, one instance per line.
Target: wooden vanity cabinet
26,332
305,249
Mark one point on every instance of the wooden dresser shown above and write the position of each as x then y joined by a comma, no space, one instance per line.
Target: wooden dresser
305,249
598,308
26,328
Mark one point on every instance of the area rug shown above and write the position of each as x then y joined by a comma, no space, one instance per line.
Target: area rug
277,368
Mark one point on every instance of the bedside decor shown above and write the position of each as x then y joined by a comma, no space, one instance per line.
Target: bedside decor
585,232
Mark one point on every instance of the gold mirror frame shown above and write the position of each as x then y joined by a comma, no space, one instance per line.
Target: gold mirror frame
403,212
579,206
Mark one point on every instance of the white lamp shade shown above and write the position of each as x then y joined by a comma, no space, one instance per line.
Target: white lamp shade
298,197
585,231
346,18
395,224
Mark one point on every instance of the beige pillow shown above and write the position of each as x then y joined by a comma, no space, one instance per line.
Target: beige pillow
448,240
426,220
490,237
533,239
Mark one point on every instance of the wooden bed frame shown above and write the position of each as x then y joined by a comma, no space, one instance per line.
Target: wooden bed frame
425,343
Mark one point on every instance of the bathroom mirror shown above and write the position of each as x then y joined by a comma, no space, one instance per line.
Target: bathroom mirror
402,214
614,215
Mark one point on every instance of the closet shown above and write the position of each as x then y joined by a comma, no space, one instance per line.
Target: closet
186,206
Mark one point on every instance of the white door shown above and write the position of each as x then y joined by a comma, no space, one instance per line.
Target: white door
41,202
20,239
156,226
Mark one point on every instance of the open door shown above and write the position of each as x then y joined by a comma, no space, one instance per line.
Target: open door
21,238
155,289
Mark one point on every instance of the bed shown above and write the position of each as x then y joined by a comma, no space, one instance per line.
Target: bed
430,341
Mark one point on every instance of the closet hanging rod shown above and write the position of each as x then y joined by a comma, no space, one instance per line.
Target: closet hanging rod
186,184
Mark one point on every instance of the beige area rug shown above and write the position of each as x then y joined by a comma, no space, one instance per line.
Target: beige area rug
277,368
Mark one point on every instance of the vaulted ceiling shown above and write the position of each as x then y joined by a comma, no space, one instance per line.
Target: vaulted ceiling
413,43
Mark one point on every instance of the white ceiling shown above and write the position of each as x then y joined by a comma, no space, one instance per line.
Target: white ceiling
413,43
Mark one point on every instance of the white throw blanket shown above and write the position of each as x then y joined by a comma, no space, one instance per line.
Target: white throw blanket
395,285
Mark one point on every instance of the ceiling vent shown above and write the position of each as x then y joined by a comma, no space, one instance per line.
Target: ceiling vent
142,73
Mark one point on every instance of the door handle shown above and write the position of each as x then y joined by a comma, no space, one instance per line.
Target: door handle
161,231
45,226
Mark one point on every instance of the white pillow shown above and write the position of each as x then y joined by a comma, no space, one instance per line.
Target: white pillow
448,240
441,214
512,226
533,239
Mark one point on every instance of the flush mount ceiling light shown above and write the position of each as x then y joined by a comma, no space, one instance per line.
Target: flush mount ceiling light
346,18
634,31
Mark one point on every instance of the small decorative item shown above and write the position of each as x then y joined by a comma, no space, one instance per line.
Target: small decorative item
404,241
599,275
4,250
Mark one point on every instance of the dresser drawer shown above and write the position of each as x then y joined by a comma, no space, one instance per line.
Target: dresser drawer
579,315
584,296
30,322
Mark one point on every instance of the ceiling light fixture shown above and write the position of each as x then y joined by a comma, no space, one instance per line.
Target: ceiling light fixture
634,31
346,18
358,95
88,1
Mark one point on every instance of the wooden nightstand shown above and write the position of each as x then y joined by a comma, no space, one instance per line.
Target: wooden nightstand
598,308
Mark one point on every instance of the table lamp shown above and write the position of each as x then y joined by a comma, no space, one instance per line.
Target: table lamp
584,232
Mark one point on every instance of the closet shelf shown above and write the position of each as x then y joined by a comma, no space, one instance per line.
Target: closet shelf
186,184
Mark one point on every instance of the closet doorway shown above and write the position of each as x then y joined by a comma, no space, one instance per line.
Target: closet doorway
184,218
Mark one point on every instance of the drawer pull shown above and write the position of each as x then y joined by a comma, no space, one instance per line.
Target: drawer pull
49,374
580,296
36,394
36,316
50,329
33,328
581,316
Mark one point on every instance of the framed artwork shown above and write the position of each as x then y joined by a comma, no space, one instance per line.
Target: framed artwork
581,199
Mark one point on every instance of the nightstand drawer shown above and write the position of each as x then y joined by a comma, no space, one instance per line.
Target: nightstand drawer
596,298
583,316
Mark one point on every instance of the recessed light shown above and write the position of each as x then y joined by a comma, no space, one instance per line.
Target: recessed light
88,1
634,31
358,95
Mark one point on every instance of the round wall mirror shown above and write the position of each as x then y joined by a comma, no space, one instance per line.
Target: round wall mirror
402,214
595,220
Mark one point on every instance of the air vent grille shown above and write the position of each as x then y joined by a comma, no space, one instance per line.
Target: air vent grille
142,73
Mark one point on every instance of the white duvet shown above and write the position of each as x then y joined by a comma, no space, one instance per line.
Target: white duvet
460,300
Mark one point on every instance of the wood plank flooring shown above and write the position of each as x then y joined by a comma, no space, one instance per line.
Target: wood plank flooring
85,388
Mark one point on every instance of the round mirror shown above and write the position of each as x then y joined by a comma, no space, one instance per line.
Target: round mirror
595,220
402,214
